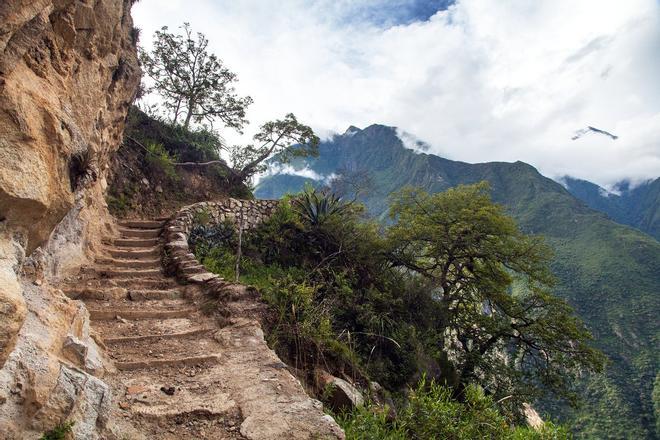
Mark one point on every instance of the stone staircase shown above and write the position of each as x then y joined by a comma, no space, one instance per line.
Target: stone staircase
179,375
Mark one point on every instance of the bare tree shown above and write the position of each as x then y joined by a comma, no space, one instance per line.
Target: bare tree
352,183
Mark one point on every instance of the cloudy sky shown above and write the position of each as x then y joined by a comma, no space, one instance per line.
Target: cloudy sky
478,80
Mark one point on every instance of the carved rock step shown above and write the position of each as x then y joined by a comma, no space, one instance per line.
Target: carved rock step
154,295
183,346
125,328
128,304
134,254
146,283
154,338
129,314
87,282
85,293
121,293
142,224
134,242
132,264
165,363
111,272
139,233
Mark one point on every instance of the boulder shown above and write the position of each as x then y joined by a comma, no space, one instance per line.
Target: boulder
340,394
77,397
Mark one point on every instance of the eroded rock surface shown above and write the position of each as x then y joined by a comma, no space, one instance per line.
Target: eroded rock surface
68,71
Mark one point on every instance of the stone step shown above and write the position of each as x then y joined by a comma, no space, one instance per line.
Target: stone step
128,314
134,242
142,224
134,264
134,254
193,270
126,328
85,293
154,348
146,283
172,362
154,295
156,337
128,304
111,272
139,233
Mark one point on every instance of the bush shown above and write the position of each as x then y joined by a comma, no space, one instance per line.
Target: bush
433,413
193,145
159,161
59,432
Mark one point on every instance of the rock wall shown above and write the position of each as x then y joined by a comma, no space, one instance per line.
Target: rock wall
181,261
68,72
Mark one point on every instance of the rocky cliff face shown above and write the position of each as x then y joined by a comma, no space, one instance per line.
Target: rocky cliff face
68,71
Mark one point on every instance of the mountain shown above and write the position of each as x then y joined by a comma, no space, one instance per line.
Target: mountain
609,272
637,206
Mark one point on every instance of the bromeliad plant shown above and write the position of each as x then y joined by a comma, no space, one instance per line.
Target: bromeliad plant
316,206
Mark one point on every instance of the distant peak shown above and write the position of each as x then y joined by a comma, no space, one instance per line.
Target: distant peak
352,130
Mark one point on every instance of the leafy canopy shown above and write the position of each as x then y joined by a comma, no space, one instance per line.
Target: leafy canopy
282,139
195,85
492,286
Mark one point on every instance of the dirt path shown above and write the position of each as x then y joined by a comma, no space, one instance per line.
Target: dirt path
179,374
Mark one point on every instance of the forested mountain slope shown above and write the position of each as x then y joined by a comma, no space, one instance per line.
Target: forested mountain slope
637,206
609,272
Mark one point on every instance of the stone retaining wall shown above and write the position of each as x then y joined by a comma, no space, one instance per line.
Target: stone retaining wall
181,261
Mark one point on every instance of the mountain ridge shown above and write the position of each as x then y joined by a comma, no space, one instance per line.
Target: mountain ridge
618,306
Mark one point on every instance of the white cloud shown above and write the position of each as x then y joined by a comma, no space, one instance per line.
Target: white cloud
482,81
411,142
290,170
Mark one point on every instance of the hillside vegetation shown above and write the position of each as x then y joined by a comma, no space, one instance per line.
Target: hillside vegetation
451,290
144,180
609,272
637,206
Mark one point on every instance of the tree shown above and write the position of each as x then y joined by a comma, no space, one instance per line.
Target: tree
492,285
195,86
281,140
352,183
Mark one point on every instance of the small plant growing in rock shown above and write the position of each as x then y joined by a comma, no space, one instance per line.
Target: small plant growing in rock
59,432
160,160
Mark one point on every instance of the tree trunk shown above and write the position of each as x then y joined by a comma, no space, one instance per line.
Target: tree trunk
191,108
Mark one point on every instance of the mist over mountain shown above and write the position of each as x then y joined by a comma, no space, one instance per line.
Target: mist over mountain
609,272
636,206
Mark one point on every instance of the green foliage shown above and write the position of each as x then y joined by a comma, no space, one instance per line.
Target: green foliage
194,85
59,432
118,205
197,144
346,297
656,403
609,273
160,161
315,207
432,412
280,140
472,253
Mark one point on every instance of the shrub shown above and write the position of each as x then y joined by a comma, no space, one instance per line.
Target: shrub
432,413
59,432
160,161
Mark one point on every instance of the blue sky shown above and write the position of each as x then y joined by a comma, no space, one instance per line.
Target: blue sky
478,80
386,13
